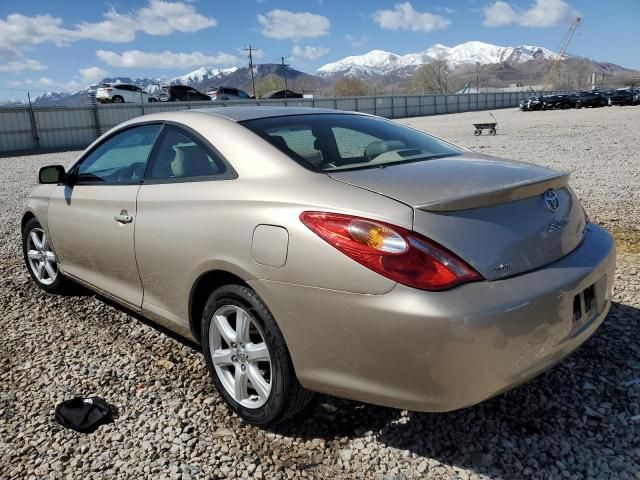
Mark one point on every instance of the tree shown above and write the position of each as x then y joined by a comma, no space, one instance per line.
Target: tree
306,84
268,84
432,77
349,86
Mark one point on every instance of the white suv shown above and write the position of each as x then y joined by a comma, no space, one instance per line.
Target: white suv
121,93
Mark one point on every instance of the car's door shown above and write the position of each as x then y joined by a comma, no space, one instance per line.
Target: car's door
124,92
182,200
91,222
195,95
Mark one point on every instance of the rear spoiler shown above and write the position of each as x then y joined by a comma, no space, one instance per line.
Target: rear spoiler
508,193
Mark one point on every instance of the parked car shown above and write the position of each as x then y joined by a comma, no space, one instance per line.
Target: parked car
554,102
624,96
533,103
283,94
122,93
227,93
274,237
181,93
605,95
573,100
590,99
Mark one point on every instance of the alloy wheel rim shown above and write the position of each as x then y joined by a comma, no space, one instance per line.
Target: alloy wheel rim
240,356
42,260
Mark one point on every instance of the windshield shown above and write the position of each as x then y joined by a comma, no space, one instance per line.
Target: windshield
329,142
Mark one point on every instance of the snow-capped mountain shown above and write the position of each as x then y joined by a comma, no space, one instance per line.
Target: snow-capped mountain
202,74
202,79
380,62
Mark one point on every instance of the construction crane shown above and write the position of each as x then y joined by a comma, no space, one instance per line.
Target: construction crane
562,49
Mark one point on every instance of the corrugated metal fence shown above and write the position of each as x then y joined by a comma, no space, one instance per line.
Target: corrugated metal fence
48,128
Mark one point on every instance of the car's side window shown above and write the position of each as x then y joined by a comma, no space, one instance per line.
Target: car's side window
122,159
179,155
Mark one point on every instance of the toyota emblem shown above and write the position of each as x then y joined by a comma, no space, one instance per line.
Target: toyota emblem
551,200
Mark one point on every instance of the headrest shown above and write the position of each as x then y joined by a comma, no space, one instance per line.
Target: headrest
375,149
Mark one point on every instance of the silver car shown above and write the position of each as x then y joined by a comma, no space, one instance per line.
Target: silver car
319,251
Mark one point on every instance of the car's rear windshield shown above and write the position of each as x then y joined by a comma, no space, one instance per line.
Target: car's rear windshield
329,142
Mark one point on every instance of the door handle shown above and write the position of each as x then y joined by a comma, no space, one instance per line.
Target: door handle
124,217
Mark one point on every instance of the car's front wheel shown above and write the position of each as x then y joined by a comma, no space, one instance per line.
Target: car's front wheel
247,357
41,260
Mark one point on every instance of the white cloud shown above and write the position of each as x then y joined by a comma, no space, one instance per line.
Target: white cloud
91,75
498,14
42,81
356,41
309,53
166,59
405,17
540,14
282,24
163,18
17,66
20,32
46,81
115,28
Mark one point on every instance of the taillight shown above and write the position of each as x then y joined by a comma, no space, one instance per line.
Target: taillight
394,252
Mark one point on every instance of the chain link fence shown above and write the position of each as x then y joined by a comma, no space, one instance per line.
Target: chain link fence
54,128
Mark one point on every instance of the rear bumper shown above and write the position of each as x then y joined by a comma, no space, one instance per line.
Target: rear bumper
440,351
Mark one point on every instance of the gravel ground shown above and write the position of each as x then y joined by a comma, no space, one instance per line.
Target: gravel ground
579,420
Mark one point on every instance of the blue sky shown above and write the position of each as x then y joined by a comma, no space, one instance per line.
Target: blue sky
68,44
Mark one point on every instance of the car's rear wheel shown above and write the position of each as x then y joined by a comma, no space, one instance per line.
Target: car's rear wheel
41,260
247,357
117,99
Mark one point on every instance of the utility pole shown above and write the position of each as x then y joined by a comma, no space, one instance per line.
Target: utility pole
253,81
477,77
284,74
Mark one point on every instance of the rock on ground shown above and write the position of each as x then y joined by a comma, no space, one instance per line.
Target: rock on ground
579,420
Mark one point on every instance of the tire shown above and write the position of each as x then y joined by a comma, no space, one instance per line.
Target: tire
477,132
117,99
492,131
281,395
57,283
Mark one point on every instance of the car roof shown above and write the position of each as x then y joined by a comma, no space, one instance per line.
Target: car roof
240,114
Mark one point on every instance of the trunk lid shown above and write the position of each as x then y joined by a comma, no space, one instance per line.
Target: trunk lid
492,213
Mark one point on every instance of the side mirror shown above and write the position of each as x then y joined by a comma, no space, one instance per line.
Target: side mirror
52,174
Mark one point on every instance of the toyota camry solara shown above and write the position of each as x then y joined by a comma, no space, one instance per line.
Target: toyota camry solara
311,250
